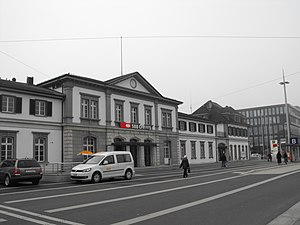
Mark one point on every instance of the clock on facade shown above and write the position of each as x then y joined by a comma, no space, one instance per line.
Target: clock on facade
133,83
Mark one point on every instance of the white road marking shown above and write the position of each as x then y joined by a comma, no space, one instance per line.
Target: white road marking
35,215
2,220
106,189
195,203
25,218
136,196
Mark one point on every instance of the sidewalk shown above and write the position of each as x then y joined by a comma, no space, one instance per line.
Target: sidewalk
290,217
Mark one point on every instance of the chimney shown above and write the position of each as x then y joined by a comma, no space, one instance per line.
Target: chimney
30,80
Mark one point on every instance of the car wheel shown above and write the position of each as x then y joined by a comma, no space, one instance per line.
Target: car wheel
36,181
7,181
96,177
128,174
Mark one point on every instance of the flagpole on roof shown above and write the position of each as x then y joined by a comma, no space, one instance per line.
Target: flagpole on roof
121,38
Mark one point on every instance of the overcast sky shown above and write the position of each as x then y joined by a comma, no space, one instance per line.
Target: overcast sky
230,51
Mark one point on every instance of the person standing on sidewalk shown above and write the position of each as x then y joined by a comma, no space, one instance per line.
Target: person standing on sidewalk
285,157
278,156
185,165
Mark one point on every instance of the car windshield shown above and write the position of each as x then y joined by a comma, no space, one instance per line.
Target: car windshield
94,159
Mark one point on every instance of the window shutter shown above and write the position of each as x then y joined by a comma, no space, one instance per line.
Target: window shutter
18,105
0,103
32,107
49,108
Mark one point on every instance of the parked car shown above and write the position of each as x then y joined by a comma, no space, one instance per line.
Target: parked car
104,165
15,170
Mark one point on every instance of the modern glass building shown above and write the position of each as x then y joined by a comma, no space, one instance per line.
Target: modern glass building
268,128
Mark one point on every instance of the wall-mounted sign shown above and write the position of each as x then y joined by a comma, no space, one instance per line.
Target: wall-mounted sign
126,125
294,141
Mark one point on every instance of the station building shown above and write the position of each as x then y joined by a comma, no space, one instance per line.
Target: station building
124,113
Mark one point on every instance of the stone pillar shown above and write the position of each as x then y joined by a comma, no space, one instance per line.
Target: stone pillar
142,156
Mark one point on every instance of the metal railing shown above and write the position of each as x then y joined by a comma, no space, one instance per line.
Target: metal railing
58,168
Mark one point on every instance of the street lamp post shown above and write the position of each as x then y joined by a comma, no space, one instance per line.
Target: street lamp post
286,110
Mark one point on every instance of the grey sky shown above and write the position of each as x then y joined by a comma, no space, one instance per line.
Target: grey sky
240,72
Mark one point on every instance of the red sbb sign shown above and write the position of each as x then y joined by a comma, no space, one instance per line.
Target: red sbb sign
125,125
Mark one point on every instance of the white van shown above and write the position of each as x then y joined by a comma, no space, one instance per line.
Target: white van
104,165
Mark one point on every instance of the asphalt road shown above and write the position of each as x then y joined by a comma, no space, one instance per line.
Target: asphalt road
245,193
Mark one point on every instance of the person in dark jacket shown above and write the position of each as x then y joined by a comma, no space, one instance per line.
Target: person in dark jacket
185,165
223,159
285,157
278,156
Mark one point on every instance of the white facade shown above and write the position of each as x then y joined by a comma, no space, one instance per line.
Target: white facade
198,144
30,122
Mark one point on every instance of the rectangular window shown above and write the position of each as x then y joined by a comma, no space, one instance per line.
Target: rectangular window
193,150
148,116
134,113
166,119
210,150
182,125
119,111
167,150
210,129
40,141
89,144
182,148
201,128
192,127
40,107
7,147
10,104
39,149
94,109
89,107
123,158
202,150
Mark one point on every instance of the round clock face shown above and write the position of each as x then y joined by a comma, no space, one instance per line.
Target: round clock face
133,83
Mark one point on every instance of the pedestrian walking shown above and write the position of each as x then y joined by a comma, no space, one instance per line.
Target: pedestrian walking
269,157
278,157
285,158
223,159
185,165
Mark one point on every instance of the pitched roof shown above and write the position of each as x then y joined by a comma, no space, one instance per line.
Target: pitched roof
26,88
213,111
113,84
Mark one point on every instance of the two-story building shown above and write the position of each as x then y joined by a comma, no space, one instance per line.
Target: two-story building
30,121
197,139
123,113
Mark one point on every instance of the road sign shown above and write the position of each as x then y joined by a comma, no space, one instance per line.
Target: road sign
294,140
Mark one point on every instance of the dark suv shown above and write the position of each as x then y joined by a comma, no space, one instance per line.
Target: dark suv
14,170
